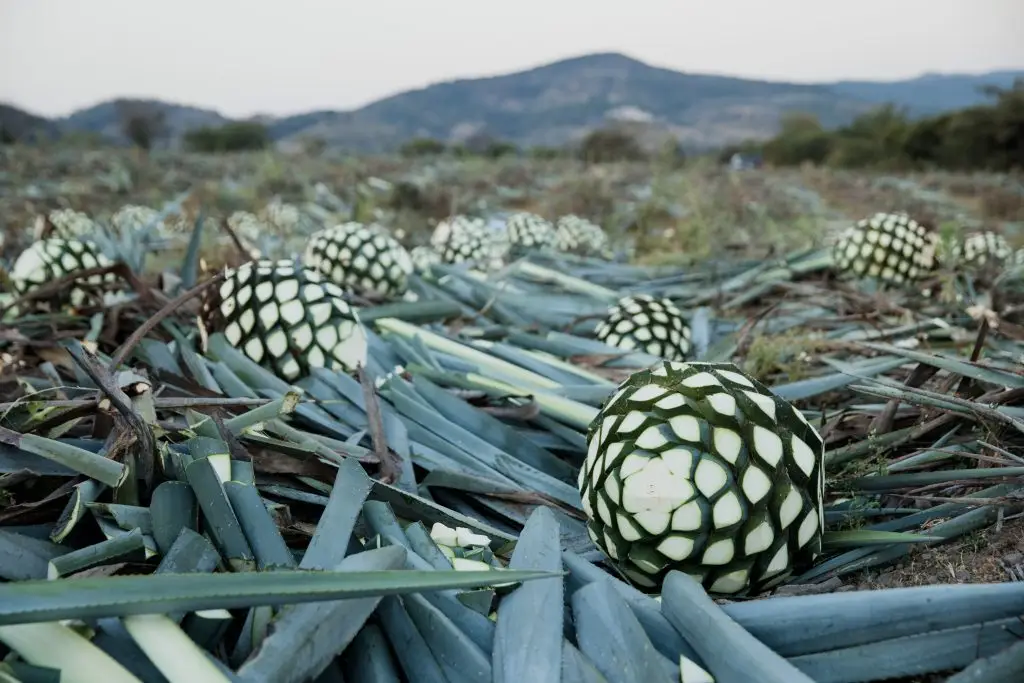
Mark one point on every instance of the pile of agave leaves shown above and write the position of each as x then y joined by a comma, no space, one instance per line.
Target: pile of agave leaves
162,511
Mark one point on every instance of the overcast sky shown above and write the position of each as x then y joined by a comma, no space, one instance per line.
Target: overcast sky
282,57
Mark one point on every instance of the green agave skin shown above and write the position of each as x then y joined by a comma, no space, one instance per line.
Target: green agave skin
700,468
892,248
51,259
654,326
360,258
286,318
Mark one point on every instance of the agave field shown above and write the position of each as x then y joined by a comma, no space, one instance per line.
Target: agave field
281,419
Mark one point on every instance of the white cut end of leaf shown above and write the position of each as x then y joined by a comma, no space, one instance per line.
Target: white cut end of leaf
691,672
443,535
56,646
177,657
466,537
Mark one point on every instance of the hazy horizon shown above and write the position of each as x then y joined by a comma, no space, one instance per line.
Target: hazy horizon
306,55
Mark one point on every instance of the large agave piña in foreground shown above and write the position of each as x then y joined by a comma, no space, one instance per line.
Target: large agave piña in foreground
360,258
890,247
286,318
654,326
698,467
47,260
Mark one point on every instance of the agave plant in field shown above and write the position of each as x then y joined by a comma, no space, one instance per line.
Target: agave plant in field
654,326
699,467
892,248
360,258
286,318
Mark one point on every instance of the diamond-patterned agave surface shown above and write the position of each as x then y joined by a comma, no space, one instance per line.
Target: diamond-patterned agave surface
981,248
641,322
699,467
423,257
51,259
360,258
891,247
577,235
286,318
528,231
462,239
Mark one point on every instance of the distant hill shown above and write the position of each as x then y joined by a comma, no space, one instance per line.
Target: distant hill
930,93
18,124
557,103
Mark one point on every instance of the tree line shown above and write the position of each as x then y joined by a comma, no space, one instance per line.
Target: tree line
983,137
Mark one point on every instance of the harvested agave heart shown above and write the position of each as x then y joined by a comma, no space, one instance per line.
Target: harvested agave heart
286,318
528,231
576,235
52,259
699,467
462,239
641,322
983,248
423,257
891,247
360,258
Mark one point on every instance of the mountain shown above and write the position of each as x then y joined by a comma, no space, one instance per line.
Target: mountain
560,102
18,124
930,93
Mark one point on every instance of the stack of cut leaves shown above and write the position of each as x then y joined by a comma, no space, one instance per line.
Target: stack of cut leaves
172,515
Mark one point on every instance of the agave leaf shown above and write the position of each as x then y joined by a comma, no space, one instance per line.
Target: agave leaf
369,658
57,646
528,635
611,637
799,625
916,655
729,652
414,656
175,654
858,538
37,601
307,637
258,527
218,516
130,547
953,365
1006,665
23,557
577,668
457,654
329,544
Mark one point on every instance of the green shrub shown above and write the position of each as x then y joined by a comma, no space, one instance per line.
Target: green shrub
237,136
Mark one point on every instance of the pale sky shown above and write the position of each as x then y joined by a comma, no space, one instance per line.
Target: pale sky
257,56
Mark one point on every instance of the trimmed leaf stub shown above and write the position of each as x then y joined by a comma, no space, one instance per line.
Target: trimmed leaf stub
286,318
699,467
654,326
891,247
